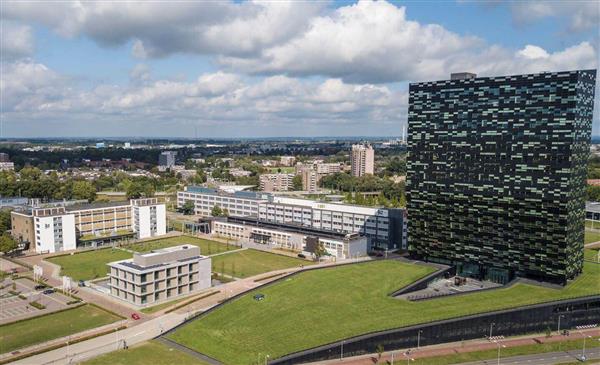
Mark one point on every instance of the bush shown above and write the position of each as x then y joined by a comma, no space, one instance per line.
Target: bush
37,305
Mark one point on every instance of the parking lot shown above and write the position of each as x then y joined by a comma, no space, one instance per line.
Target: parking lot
15,300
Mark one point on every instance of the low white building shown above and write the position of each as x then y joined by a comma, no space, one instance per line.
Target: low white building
160,275
296,238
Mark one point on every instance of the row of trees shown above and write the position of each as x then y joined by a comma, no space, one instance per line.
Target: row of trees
33,183
391,194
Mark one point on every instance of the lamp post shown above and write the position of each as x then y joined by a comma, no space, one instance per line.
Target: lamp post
342,351
491,328
407,355
499,345
559,317
419,339
267,359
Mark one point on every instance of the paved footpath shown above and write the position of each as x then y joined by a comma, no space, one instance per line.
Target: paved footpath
468,346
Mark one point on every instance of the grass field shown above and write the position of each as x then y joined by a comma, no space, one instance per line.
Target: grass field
283,170
207,247
591,236
90,264
323,306
591,254
152,352
45,328
246,263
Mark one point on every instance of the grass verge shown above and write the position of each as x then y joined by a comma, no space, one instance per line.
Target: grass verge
242,264
151,352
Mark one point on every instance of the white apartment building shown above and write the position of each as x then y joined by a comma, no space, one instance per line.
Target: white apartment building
161,275
287,160
7,166
340,246
362,160
385,228
328,168
61,227
276,182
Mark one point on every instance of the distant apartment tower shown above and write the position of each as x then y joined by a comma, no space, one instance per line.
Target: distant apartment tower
496,173
362,160
276,182
310,179
5,164
4,157
166,159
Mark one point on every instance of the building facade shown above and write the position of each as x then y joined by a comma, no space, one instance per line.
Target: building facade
166,159
385,228
291,237
161,275
496,173
64,227
362,160
276,182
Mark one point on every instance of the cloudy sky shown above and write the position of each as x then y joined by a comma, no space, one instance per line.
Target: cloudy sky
247,69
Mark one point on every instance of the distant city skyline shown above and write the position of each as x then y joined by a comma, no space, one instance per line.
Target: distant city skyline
264,69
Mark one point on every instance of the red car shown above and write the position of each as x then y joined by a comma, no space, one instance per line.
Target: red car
135,316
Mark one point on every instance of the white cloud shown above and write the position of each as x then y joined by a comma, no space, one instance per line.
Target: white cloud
532,52
16,40
581,14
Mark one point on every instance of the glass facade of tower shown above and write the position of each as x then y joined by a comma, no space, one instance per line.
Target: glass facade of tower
497,173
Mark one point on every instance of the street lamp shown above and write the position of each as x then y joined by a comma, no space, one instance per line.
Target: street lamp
559,317
499,345
407,355
266,359
580,328
491,327
342,351
419,339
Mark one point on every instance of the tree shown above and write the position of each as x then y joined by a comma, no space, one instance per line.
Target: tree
224,212
188,207
4,220
320,250
84,190
134,190
297,182
216,211
7,243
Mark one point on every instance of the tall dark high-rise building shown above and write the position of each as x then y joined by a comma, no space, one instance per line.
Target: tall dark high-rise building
497,173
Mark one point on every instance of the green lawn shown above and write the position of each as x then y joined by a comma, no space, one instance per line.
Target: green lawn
37,330
152,352
90,264
591,236
207,247
322,306
591,254
247,263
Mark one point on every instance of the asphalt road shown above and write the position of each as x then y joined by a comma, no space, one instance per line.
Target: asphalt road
550,358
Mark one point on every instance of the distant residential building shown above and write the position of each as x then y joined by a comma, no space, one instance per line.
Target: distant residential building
4,157
7,166
13,202
362,160
276,182
310,179
497,166
287,160
237,172
160,275
328,168
291,237
100,145
54,228
166,160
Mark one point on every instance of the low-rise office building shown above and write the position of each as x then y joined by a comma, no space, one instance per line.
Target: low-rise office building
291,237
160,275
385,228
57,228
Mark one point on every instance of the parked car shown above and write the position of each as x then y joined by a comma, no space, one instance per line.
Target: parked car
39,287
259,297
48,291
301,255
81,283
135,316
